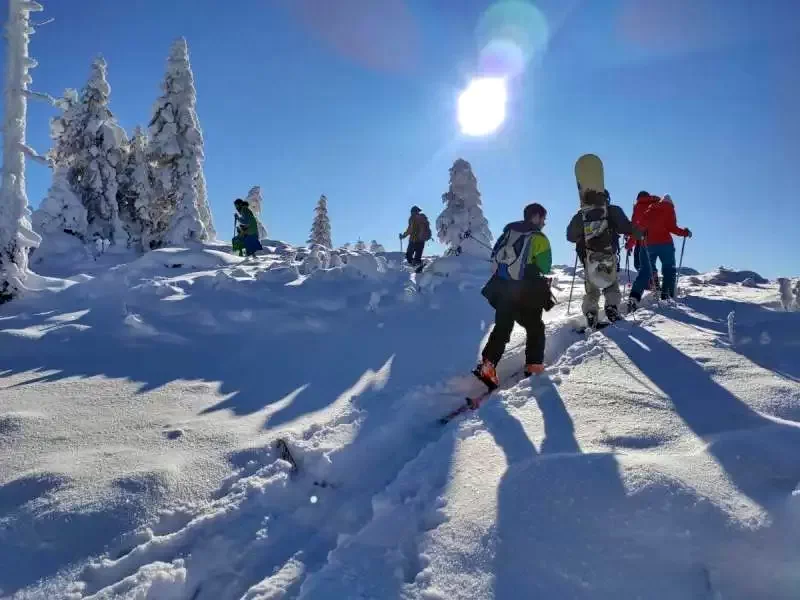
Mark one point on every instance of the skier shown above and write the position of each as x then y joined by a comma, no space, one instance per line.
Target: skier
657,217
619,225
519,292
247,228
419,230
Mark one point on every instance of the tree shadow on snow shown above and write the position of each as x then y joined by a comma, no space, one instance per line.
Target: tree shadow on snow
751,448
769,338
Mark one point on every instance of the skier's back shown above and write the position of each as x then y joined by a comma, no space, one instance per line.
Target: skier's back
657,217
519,292
619,224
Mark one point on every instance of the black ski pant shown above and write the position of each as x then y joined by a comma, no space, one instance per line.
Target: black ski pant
529,317
414,252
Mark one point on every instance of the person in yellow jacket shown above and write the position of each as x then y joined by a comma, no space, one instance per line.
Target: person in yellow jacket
418,232
519,291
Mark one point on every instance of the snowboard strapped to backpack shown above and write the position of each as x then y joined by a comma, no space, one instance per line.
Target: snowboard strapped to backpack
600,261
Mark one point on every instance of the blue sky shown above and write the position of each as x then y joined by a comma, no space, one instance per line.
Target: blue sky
356,99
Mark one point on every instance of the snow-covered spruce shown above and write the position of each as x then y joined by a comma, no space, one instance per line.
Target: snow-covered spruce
321,227
376,248
176,148
462,226
16,235
90,145
360,246
256,202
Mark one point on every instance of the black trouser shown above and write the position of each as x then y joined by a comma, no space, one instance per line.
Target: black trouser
414,252
529,317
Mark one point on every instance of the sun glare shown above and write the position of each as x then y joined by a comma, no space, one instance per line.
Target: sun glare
482,106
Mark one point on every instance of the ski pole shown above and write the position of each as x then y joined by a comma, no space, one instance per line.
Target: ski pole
628,271
680,266
572,285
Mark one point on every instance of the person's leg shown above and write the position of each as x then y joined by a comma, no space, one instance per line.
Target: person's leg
419,248
501,333
591,299
613,298
643,275
410,253
531,320
666,253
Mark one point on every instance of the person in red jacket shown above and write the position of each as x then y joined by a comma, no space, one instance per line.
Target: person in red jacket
657,217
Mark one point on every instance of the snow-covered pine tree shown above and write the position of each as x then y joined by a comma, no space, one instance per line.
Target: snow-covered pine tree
375,247
462,226
89,147
62,210
256,202
361,246
176,149
16,235
321,228
146,217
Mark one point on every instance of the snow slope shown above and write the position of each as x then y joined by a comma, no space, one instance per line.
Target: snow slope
139,407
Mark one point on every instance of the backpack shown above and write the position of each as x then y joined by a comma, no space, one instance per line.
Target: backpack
510,252
425,229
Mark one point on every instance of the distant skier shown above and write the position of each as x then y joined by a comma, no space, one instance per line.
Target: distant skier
619,225
519,292
418,232
247,228
657,217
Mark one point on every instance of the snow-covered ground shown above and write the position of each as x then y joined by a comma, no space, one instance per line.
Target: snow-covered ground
140,404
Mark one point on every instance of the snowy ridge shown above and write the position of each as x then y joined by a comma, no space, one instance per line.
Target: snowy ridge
655,458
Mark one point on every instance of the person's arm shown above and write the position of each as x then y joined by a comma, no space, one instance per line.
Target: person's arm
409,229
540,253
575,229
672,222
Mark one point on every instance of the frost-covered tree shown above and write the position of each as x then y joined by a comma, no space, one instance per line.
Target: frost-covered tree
146,216
462,226
797,294
16,235
321,228
62,210
176,149
89,148
361,246
256,202
375,247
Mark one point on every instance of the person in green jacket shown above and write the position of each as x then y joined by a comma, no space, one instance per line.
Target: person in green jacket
246,228
519,292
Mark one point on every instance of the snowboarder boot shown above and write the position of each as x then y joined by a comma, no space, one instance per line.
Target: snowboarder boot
591,319
633,304
533,369
612,313
487,373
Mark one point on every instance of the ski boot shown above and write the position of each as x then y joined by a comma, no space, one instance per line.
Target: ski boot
533,369
633,304
591,320
612,314
487,373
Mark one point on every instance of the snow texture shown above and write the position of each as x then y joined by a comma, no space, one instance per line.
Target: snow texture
17,237
256,202
141,405
321,227
176,148
461,225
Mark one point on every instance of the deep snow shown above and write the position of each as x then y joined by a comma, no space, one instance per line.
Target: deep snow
140,402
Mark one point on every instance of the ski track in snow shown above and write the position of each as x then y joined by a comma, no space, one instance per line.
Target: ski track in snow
388,503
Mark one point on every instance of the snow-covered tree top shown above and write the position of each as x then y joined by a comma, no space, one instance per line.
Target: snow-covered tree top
461,225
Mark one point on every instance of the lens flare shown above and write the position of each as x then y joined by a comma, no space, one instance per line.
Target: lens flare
510,33
482,106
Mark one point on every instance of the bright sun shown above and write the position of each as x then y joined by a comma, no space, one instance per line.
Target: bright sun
482,106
